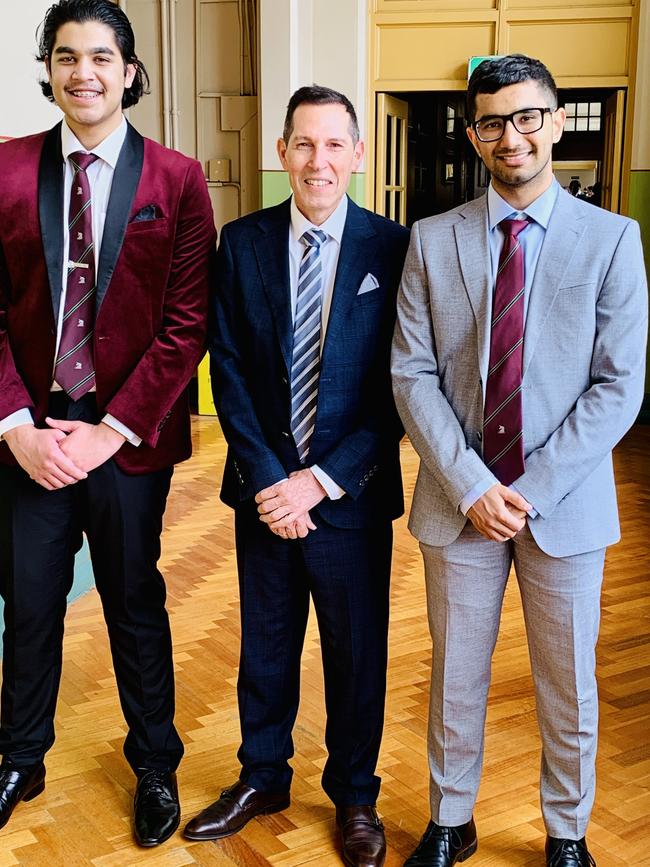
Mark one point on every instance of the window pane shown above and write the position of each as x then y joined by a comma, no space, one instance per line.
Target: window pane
570,125
583,109
594,123
570,109
389,147
581,124
594,108
398,149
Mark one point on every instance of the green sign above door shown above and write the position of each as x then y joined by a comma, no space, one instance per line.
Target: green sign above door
476,61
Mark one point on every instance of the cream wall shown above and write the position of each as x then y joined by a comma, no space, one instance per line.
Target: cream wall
24,109
306,42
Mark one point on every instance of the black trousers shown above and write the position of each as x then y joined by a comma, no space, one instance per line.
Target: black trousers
347,574
40,532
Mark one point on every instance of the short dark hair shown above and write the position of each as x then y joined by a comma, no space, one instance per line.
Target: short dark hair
493,74
317,95
106,12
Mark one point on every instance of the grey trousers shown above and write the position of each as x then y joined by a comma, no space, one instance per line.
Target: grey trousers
466,582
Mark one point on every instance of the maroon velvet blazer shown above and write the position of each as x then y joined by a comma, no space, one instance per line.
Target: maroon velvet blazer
152,289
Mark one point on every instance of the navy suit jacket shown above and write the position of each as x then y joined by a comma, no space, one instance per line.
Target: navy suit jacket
357,430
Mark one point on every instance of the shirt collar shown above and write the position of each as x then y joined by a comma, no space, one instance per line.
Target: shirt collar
108,150
540,210
333,225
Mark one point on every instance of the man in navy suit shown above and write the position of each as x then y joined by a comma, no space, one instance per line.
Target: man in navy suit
302,322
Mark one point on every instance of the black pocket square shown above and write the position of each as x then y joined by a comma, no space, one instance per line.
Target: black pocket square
149,212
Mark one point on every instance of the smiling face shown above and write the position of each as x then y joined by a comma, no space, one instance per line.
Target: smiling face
319,158
520,164
88,77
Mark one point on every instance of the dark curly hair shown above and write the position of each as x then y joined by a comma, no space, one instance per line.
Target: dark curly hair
493,74
106,12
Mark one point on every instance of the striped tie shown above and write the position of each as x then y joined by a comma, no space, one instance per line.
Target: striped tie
75,368
305,364
503,447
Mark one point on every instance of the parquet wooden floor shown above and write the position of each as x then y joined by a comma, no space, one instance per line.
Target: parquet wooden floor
84,816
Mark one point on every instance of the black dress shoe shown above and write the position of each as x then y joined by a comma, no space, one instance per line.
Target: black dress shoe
156,808
443,845
18,784
237,805
362,836
567,853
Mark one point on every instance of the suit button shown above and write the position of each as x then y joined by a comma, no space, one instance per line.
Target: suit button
479,434
285,434
285,380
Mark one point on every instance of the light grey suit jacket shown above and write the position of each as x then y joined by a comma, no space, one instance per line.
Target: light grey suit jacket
583,369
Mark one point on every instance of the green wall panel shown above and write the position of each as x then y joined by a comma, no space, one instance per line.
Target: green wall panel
640,211
640,206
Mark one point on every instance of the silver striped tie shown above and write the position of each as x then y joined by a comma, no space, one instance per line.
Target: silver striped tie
305,363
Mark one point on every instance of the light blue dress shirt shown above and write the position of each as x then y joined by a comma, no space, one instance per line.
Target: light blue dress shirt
532,238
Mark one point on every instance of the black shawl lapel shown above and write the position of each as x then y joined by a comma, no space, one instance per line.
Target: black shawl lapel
50,211
125,183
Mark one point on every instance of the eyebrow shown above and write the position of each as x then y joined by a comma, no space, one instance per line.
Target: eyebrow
308,139
102,49
516,111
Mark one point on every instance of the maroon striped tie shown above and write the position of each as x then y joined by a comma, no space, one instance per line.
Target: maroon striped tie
75,368
503,447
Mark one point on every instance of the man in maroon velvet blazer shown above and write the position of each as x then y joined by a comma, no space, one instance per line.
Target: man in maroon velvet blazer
93,403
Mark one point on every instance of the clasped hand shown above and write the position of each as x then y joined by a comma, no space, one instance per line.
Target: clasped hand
64,452
285,506
500,513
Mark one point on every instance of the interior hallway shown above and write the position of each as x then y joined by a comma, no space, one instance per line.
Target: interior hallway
84,816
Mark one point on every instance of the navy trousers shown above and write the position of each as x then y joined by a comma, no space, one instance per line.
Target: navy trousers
347,574
40,532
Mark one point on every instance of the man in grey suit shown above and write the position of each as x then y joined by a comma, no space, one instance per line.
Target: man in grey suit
518,364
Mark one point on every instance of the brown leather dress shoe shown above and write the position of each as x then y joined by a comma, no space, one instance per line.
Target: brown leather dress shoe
362,836
237,805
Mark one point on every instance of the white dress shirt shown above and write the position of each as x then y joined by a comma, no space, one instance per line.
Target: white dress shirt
100,180
329,252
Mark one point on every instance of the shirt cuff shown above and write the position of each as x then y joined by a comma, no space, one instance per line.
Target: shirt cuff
333,491
532,513
132,438
9,422
472,496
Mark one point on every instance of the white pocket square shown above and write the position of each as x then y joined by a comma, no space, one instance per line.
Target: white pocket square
368,283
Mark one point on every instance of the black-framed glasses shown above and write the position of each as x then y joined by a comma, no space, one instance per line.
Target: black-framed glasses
527,120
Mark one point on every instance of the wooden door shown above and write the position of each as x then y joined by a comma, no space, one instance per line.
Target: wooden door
391,163
613,151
